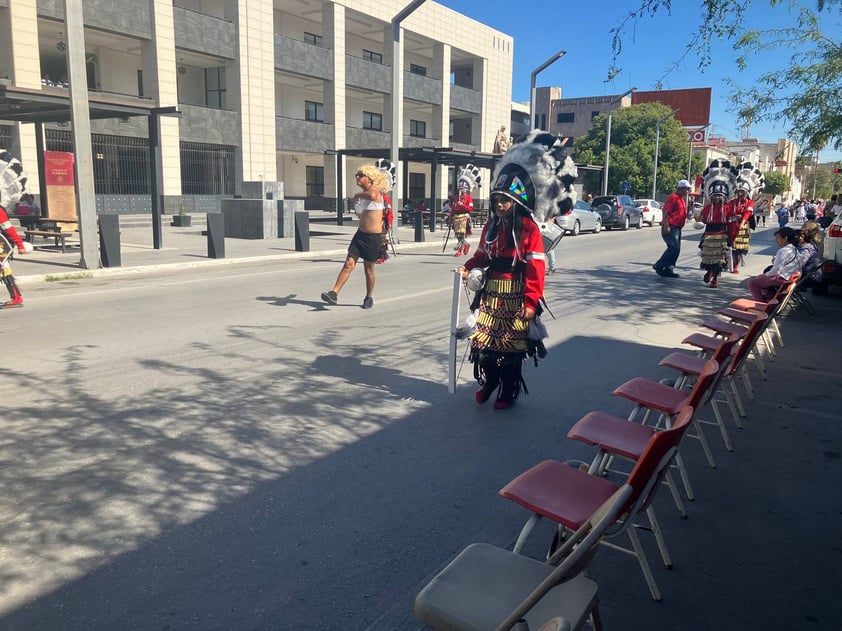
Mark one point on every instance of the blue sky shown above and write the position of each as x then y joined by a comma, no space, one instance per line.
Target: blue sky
651,46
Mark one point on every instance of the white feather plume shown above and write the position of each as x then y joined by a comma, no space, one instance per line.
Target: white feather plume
12,180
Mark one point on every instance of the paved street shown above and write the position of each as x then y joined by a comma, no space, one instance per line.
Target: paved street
214,448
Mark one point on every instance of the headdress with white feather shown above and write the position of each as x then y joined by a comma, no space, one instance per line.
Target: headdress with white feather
719,178
750,178
388,169
537,175
468,178
12,180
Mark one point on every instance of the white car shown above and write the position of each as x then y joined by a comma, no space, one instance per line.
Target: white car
652,210
831,252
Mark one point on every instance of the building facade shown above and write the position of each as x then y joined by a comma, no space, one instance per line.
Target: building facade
267,90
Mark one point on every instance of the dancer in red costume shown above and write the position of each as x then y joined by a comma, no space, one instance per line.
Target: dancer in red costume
462,205
750,182
12,183
512,252
719,179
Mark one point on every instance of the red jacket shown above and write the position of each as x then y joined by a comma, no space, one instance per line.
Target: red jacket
530,251
462,203
675,211
9,230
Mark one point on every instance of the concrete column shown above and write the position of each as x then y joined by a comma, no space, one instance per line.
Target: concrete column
333,30
253,95
21,64
158,61
441,113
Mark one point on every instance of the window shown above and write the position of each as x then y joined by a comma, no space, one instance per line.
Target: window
140,82
215,87
543,124
417,128
415,69
314,111
370,55
315,181
594,114
417,187
373,120
312,38
565,117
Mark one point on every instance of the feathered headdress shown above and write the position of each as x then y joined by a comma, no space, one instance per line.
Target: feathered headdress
750,179
468,178
388,169
537,175
719,178
12,180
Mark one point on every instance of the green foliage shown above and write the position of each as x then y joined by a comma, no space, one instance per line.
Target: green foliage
804,92
632,157
776,183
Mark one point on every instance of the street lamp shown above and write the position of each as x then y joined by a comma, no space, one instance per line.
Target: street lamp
690,156
657,142
532,76
397,89
608,138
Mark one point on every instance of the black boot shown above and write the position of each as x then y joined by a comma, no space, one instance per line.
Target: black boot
511,381
487,374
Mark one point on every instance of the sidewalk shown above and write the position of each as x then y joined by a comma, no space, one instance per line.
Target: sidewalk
188,247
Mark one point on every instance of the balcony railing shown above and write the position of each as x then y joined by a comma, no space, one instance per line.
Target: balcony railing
301,58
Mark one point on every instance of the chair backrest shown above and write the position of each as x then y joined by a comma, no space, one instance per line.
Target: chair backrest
749,340
707,376
576,552
723,357
785,292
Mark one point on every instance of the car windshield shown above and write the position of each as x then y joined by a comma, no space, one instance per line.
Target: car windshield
604,200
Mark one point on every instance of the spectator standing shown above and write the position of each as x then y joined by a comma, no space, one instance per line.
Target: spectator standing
783,216
673,220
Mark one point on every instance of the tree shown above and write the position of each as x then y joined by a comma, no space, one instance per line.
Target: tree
632,157
777,183
803,92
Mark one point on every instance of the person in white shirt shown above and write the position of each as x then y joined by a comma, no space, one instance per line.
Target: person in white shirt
784,265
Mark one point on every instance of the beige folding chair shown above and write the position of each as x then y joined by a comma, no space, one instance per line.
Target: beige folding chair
488,588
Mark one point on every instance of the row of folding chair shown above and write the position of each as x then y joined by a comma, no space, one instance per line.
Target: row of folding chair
486,587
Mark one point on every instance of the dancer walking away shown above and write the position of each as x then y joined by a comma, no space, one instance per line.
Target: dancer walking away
462,205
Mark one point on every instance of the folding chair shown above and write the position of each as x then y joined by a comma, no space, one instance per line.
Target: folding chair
651,396
799,295
783,296
569,496
486,587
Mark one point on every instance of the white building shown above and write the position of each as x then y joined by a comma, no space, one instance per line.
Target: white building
264,89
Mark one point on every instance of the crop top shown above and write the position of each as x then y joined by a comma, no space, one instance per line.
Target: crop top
360,206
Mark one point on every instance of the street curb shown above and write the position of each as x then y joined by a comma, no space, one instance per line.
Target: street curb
163,267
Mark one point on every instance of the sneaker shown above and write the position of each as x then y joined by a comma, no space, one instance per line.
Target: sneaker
658,270
736,270
714,284
670,274
368,303
503,404
466,248
458,252
707,277
330,297
14,302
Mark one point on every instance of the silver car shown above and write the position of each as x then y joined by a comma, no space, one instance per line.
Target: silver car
582,217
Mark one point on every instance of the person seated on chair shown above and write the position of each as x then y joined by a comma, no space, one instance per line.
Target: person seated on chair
784,265
808,253
27,211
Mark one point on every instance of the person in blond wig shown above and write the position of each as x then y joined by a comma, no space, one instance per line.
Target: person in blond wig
367,241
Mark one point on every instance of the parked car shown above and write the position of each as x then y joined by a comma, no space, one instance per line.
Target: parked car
617,211
652,210
581,217
831,257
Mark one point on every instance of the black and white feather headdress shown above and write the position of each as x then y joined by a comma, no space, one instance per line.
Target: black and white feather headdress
537,175
750,178
468,178
388,169
719,178
12,180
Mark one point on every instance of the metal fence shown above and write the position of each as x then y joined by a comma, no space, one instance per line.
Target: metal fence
207,169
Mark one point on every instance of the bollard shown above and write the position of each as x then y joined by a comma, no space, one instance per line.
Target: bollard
302,231
109,240
419,227
216,236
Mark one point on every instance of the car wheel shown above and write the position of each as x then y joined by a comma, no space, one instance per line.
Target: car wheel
598,227
640,222
576,228
626,223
